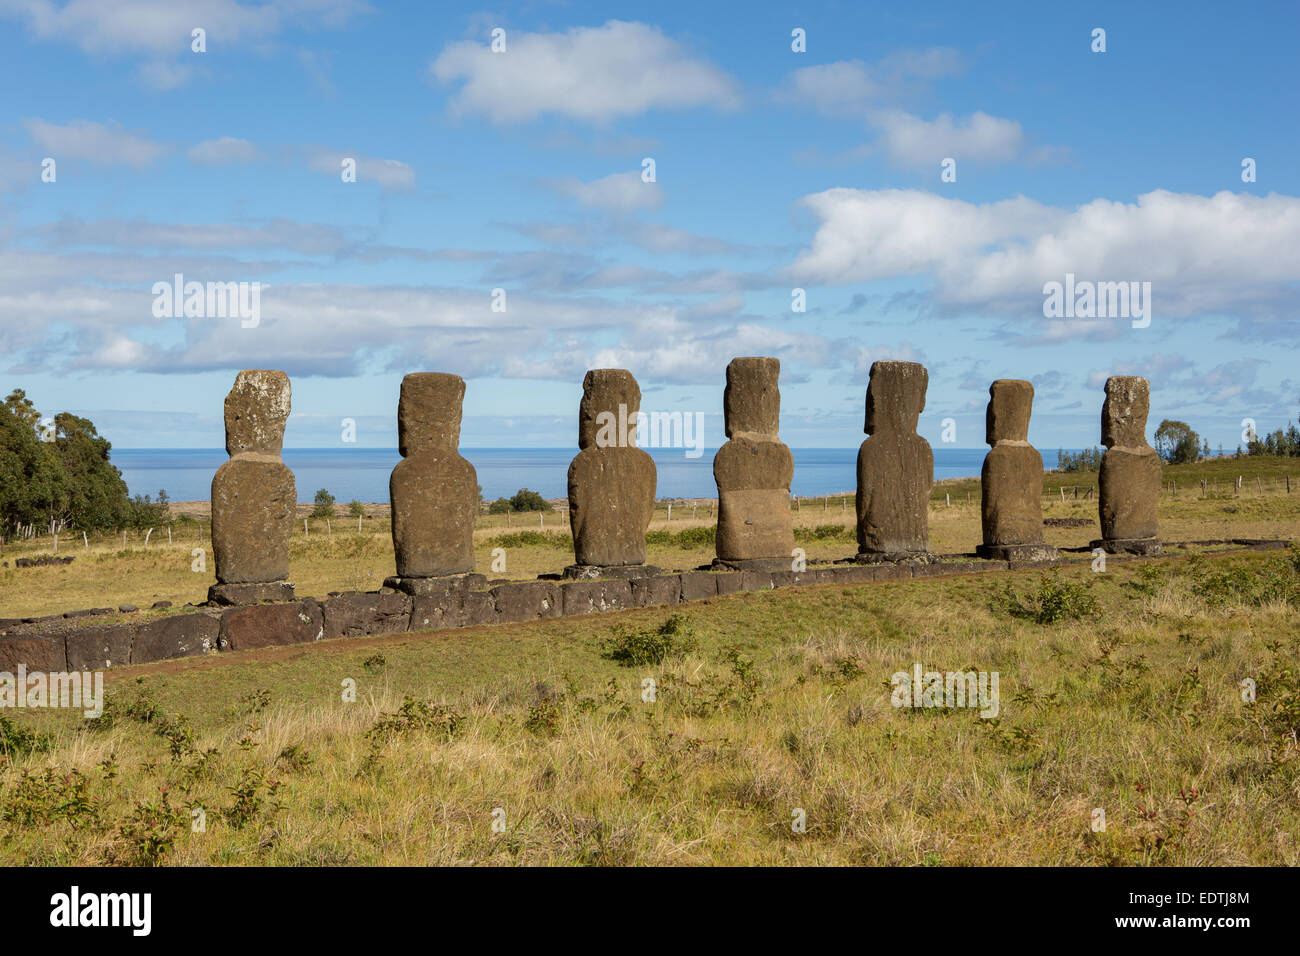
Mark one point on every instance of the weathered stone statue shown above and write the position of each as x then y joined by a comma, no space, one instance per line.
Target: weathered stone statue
253,494
1011,481
753,471
895,468
1129,483
433,490
611,481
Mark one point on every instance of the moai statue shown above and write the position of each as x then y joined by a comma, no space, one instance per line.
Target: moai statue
433,490
611,481
895,468
1011,508
753,471
253,496
1129,484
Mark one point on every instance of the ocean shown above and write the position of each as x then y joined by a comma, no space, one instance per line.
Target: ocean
362,473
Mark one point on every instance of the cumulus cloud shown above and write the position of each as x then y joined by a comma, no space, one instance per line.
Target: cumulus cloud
619,193
1202,254
908,139
591,74
224,151
94,142
160,30
852,87
161,27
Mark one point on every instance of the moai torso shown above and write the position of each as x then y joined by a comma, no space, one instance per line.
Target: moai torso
753,469
433,490
611,481
1129,483
895,464
253,494
1012,477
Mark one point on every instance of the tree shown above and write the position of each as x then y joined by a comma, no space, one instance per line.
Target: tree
1088,459
22,407
32,480
95,495
324,505
356,508
1176,443
525,500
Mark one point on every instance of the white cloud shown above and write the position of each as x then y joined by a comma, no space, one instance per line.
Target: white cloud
93,142
386,173
162,27
223,151
592,74
619,193
911,140
851,87
162,75
1230,251
314,239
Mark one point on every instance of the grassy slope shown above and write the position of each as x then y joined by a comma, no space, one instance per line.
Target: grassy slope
783,704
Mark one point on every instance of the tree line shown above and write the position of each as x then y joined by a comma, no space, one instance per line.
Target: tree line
55,475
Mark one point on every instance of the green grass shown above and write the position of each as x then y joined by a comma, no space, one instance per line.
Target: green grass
763,703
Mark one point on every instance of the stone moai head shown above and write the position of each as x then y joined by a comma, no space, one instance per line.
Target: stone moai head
604,390
1124,413
895,396
428,412
257,410
1011,400
751,402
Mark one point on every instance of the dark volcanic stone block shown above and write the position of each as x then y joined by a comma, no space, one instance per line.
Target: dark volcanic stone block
656,591
527,600
854,573
755,580
180,635
234,595
94,648
698,585
39,650
269,625
357,613
479,608
730,582
587,597
893,572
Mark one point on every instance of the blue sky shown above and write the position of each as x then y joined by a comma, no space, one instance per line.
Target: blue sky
522,170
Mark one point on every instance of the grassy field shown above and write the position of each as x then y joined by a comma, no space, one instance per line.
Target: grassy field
107,574
1119,691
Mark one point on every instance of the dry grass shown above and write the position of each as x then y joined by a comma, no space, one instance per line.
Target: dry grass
780,703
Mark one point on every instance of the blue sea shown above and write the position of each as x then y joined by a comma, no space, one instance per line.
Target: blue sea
362,473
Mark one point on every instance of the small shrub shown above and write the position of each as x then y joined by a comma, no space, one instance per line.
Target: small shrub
544,718
16,741
413,716
633,648
1056,599
149,835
